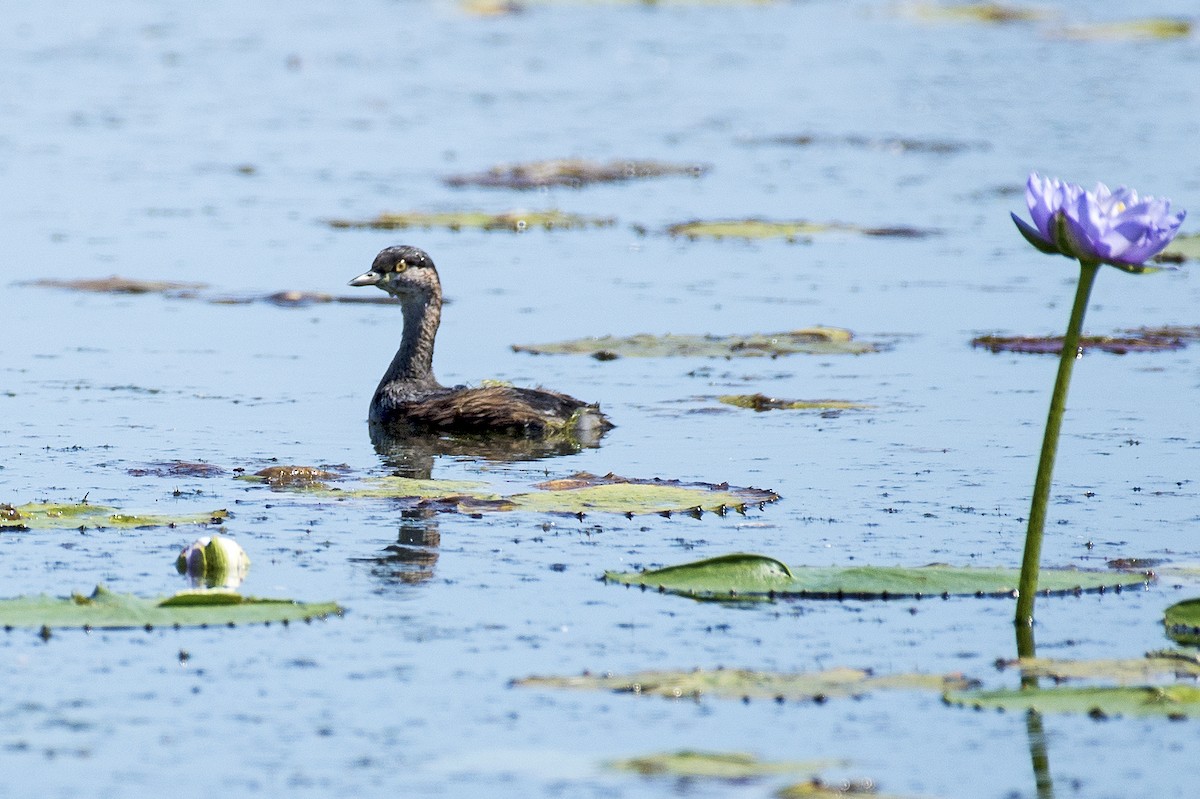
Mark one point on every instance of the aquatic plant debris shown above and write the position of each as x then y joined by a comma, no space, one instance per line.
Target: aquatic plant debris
516,221
761,402
1175,702
121,285
745,577
747,684
1123,671
1183,248
992,13
889,144
106,610
1145,340
572,173
737,766
293,476
1148,29
288,298
794,230
84,515
806,341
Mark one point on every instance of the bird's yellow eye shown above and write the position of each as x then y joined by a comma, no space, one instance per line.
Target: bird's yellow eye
401,265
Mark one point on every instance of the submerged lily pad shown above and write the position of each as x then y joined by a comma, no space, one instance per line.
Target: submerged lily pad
1183,248
1171,701
737,766
106,610
1147,340
755,578
121,285
747,684
516,221
1131,30
761,402
808,341
580,494
571,172
58,516
791,230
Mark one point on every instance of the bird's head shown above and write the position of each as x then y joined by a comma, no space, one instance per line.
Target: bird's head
404,272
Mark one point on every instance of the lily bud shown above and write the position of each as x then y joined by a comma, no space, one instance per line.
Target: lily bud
214,561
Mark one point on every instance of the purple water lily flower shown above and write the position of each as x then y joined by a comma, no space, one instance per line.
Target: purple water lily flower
1102,226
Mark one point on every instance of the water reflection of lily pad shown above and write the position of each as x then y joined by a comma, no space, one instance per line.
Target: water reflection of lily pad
1146,340
59,516
106,610
761,402
571,172
1183,248
516,221
808,341
736,766
121,285
745,577
747,684
1172,701
1130,30
793,230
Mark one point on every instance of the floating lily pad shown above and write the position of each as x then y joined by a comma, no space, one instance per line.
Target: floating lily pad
1126,671
818,789
177,469
748,684
1183,248
1145,341
808,341
756,578
1131,30
516,221
790,230
1182,621
58,516
580,494
294,298
106,610
293,476
761,402
571,172
121,285
736,766
1171,701
890,144
977,12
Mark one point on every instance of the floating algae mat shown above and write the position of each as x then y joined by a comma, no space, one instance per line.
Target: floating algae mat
78,515
806,341
106,610
515,221
744,577
749,684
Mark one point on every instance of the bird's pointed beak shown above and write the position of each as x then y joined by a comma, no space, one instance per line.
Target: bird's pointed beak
367,279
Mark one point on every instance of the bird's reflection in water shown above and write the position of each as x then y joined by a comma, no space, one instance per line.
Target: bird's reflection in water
412,558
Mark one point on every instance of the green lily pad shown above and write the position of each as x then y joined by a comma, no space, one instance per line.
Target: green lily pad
736,766
794,230
1183,248
1131,30
1123,671
515,221
757,578
1145,340
106,610
761,402
581,493
747,684
1182,621
571,172
818,789
807,341
977,12
1172,701
58,516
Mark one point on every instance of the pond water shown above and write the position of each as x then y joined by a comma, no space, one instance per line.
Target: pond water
209,143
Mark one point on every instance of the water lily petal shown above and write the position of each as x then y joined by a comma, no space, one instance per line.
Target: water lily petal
1034,236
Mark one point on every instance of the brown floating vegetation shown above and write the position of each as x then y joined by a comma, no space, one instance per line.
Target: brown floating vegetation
761,402
289,298
571,173
517,221
890,144
993,13
177,469
121,285
809,341
295,476
1143,340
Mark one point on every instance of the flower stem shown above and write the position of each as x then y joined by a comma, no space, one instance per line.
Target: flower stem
1027,587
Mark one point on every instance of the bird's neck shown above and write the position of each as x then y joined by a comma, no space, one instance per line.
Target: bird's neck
413,362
